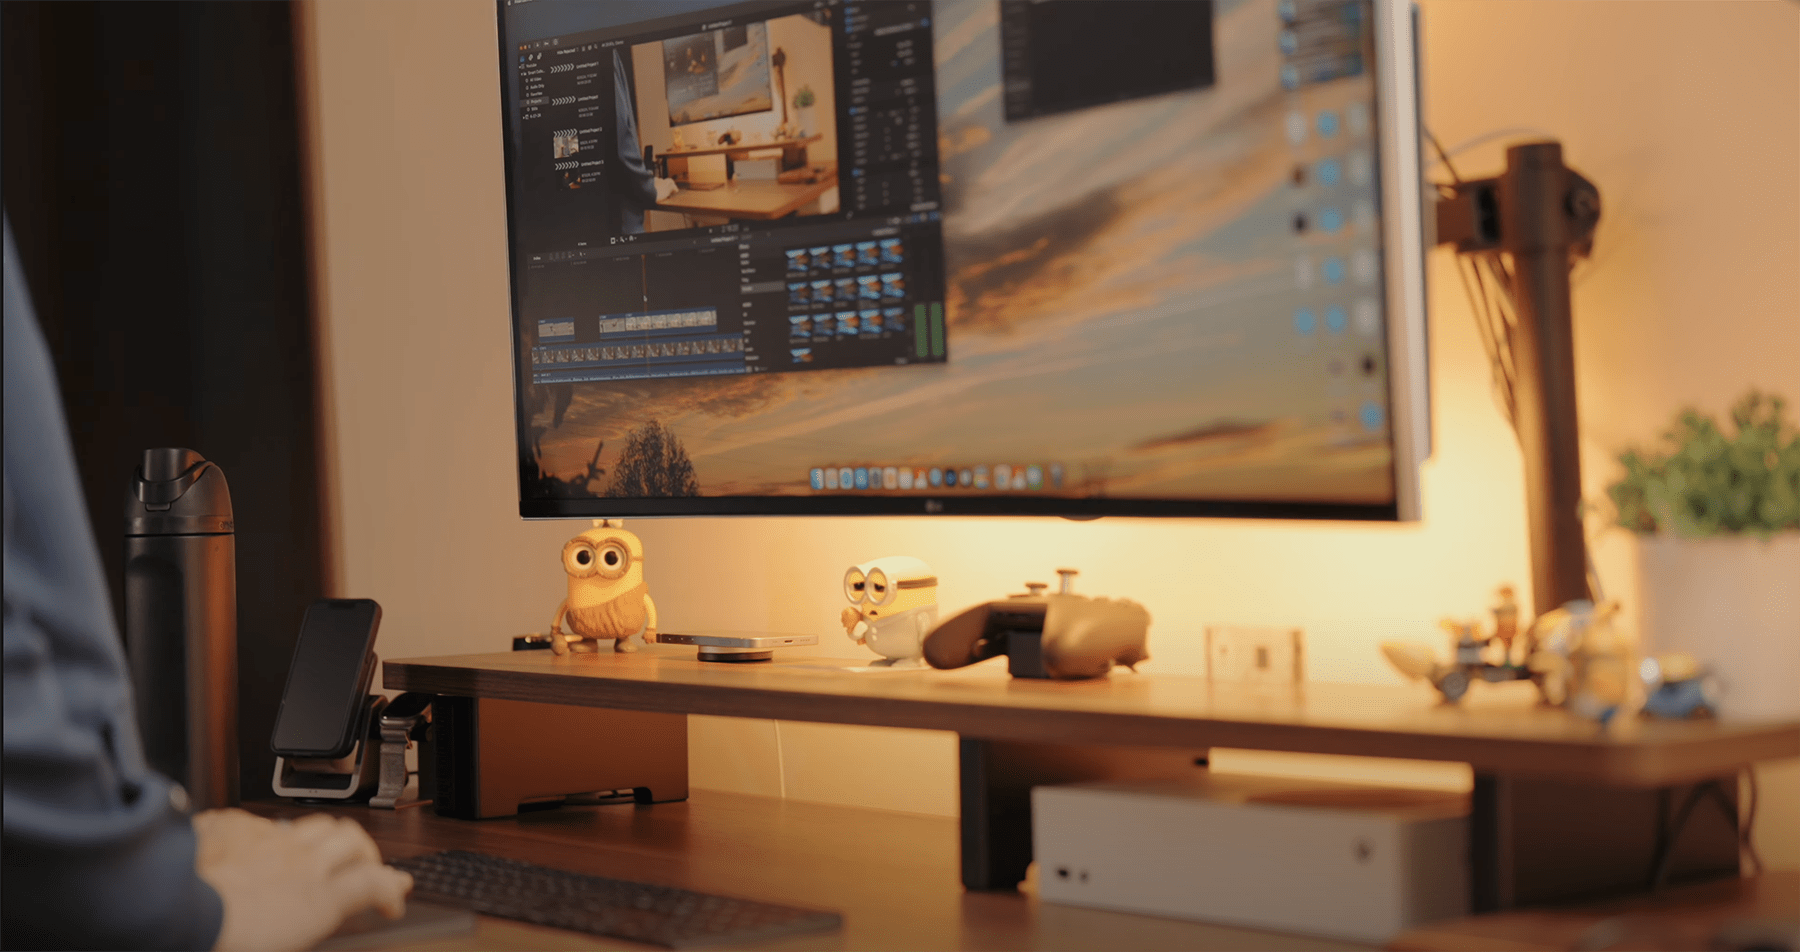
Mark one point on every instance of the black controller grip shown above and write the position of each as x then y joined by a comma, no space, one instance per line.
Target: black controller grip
979,632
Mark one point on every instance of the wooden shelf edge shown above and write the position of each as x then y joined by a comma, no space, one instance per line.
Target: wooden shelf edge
1625,765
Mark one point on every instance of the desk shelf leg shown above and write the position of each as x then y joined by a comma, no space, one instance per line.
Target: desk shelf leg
996,781
1537,842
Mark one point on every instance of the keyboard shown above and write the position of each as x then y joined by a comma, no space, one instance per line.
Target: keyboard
638,912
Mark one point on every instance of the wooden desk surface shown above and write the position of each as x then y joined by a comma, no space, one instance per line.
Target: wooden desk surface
893,876
1686,917
1498,733
755,199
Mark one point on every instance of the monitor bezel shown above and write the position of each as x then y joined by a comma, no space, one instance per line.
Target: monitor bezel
1404,229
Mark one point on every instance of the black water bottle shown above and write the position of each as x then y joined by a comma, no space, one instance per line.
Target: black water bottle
181,621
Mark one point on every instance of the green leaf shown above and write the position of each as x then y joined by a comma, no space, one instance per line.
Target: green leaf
1707,482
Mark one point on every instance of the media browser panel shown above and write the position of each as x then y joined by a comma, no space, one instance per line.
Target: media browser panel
691,200
996,255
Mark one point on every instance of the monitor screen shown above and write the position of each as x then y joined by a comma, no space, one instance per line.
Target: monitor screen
1084,257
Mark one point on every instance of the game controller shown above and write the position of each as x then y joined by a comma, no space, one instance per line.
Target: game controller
1064,636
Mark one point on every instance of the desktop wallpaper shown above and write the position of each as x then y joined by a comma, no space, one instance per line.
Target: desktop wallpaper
1175,296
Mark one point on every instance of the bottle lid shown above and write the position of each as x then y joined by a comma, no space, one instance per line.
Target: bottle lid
177,492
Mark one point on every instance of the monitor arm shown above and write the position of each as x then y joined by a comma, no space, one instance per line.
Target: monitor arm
1541,215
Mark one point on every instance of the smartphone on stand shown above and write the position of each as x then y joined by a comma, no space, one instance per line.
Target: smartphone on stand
324,706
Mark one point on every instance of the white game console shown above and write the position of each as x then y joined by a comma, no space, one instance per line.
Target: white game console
1349,862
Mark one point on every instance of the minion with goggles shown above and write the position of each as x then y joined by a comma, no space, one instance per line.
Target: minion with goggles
607,594
893,606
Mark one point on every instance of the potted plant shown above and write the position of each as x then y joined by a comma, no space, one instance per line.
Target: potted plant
1717,516
803,111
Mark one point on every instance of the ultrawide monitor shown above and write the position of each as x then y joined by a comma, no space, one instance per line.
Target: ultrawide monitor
1080,258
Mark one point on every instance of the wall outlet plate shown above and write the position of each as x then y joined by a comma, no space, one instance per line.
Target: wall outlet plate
1255,655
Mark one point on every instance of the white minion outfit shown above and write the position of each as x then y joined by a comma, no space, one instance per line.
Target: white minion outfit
893,606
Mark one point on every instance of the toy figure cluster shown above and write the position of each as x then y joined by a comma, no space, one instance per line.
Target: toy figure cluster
1576,655
1498,657
1581,660
1678,685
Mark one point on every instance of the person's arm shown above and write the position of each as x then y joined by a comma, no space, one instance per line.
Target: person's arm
638,181
99,852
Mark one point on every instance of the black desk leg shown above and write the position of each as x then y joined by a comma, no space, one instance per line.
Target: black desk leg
996,781
1535,842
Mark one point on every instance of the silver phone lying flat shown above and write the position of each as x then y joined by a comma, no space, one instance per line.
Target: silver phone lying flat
737,646
736,639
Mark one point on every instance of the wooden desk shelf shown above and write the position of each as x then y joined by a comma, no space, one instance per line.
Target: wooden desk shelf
1600,791
741,149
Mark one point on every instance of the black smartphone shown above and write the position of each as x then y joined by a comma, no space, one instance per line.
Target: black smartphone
334,666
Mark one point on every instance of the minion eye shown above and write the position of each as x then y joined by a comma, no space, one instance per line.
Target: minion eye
613,560
881,590
578,558
856,586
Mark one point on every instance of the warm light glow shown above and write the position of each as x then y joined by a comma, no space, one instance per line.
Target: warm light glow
1690,297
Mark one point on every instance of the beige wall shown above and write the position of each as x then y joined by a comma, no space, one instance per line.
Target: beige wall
1686,114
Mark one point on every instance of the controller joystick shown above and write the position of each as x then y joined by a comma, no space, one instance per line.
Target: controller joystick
1064,636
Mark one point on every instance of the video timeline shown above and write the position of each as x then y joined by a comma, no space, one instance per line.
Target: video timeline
680,343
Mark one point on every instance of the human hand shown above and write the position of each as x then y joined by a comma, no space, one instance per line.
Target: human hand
286,885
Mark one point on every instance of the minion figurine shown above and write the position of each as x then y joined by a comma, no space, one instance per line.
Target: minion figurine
893,606
607,596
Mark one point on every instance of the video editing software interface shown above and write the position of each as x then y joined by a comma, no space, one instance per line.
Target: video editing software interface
1079,248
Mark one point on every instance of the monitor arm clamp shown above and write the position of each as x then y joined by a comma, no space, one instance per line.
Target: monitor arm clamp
1472,219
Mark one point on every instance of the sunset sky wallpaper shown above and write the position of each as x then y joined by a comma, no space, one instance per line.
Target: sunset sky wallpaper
1123,289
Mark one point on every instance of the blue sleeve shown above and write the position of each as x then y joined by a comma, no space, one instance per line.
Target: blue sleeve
97,852
637,180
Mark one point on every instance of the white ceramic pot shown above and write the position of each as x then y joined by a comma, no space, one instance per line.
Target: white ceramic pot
1733,603
804,116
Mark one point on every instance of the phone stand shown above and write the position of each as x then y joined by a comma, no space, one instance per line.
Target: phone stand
350,777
